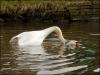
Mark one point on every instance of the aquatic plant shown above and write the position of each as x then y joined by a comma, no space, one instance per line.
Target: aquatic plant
45,9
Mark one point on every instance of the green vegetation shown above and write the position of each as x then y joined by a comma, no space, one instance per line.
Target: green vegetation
44,9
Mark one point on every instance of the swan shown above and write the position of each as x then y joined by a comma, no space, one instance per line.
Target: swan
37,37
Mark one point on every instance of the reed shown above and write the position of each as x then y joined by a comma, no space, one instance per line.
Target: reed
41,9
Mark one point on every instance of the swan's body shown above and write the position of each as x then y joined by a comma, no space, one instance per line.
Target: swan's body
31,38
37,37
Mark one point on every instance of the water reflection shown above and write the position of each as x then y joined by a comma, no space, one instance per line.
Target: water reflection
38,58
32,49
60,71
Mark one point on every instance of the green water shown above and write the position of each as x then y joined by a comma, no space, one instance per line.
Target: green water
57,59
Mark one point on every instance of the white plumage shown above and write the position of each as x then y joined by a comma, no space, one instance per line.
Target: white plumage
37,37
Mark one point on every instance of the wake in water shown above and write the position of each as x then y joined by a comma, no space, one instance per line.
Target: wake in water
55,59
39,59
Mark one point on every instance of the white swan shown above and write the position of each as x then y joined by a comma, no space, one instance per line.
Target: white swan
37,37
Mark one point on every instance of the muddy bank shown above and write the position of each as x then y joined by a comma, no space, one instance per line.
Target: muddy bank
24,11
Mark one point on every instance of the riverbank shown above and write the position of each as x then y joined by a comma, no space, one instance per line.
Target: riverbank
20,10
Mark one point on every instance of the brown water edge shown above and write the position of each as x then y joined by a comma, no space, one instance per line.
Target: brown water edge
49,10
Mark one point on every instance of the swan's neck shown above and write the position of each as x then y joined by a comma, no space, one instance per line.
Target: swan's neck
58,32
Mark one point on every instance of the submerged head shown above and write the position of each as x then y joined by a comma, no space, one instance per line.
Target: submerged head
72,44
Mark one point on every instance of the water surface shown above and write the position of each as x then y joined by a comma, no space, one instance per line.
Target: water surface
52,58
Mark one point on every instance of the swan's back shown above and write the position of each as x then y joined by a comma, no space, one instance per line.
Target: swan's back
29,38
37,37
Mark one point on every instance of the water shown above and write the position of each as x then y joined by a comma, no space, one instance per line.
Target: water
51,59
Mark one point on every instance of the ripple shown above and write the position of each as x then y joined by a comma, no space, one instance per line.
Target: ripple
63,70
52,59
97,70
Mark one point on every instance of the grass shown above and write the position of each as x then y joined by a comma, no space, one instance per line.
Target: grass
42,9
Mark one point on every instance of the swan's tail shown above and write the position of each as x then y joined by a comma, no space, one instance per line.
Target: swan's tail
14,40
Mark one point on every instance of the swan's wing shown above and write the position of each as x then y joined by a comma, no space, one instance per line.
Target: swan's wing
31,38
